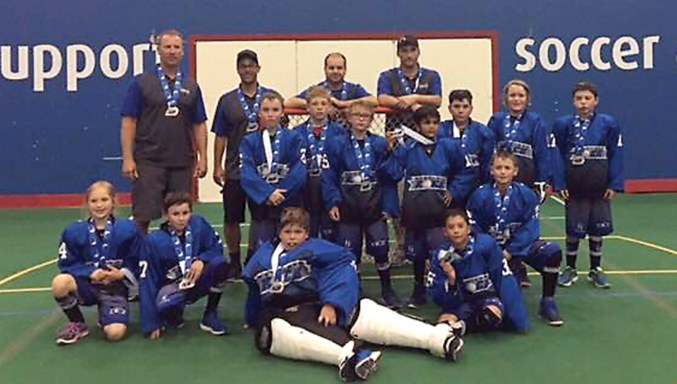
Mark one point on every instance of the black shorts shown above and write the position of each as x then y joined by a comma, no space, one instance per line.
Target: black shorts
305,316
154,182
234,199
591,216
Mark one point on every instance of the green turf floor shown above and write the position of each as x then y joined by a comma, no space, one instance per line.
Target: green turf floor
622,335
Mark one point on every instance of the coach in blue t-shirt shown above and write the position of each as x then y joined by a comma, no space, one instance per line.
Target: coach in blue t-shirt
343,93
162,116
409,86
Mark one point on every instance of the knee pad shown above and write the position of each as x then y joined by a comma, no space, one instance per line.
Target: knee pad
379,250
553,255
282,339
169,299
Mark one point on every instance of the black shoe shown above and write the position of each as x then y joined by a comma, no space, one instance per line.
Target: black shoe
418,297
390,299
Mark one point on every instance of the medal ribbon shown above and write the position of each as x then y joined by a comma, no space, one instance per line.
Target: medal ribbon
364,156
100,257
171,95
405,82
183,252
252,114
502,205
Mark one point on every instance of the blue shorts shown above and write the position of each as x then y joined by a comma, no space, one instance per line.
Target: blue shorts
591,216
420,244
111,300
543,254
376,234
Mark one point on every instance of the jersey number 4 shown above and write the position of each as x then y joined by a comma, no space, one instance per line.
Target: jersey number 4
63,251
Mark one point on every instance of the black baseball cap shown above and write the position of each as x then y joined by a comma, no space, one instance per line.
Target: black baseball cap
407,40
247,54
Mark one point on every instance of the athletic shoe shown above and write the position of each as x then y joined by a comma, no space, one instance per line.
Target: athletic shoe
567,277
547,309
348,362
598,278
71,333
390,299
453,345
418,297
211,323
366,363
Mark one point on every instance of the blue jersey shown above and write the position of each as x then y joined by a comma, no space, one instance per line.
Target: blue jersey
477,142
354,185
348,91
429,172
517,226
481,273
123,248
588,155
287,170
161,265
527,138
316,161
316,271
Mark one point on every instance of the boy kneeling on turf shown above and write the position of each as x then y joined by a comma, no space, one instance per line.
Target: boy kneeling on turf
508,211
183,262
304,298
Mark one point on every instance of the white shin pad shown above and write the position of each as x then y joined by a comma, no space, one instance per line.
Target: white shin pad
380,325
299,344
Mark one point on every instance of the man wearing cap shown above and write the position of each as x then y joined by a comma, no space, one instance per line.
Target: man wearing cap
409,86
343,93
236,115
405,89
163,124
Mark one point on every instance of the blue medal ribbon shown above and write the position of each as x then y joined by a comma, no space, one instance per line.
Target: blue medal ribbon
252,114
172,95
502,204
316,151
405,82
578,135
344,90
276,150
510,129
184,252
100,256
364,156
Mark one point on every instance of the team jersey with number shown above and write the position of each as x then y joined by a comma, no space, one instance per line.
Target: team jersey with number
481,273
77,256
160,263
316,271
